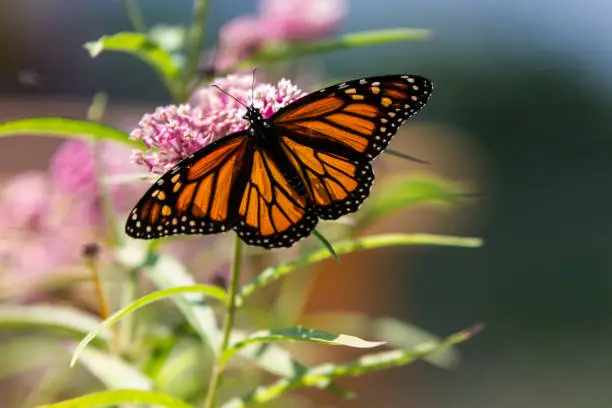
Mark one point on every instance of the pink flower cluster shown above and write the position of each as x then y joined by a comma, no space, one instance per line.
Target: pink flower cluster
172,132
47,217
278,21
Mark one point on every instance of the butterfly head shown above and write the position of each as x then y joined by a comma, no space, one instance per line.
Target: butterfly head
253,115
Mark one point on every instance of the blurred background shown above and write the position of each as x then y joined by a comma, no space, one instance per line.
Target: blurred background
520,113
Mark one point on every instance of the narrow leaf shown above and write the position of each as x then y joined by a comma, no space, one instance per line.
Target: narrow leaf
113,372
365,364
302,334
279,361
375,241
408,191
327,245
167,272
397,333
114,397
405,156
181,372
140,46
61,319
212,291
361,39
64,127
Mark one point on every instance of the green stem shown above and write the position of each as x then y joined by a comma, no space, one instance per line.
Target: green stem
95,114
221,362
196,39
92,262
286,51
135,15
130,293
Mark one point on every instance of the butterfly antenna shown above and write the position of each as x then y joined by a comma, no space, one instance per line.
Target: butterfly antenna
253,86
230,95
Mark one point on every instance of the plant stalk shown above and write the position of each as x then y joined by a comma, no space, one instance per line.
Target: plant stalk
92,260
221,362
195,42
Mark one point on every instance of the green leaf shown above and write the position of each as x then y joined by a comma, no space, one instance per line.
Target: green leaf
408,191
169,37
366,364
397,333
301,334
212,291
180,374
375,241
55,318
292,50
114,397
113,372
279,361
167,272
65,127
327,245
141,46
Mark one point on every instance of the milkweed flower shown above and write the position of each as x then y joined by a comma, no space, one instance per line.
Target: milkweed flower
238,39
73,172
172,133
41,229
278,21
47,217
24,199
299,20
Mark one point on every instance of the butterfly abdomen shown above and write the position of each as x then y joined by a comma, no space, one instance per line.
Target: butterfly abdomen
268,138
289,172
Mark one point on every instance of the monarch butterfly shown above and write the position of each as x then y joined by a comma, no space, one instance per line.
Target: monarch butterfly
272,182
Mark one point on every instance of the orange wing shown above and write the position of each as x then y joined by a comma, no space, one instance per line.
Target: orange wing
196,197
363,114
271,212
334,182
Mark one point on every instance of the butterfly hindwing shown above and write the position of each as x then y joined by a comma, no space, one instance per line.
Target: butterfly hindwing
195,197
335,180
271,212
363,114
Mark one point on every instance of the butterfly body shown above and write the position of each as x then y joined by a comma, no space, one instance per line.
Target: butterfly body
272,182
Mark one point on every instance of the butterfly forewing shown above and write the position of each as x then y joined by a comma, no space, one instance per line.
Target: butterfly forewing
195,196
363,114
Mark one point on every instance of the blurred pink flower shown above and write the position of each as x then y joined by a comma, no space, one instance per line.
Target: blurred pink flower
73,171
179,131
278,21
72,167
41,228
46,218
24,200
239,39
299,20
